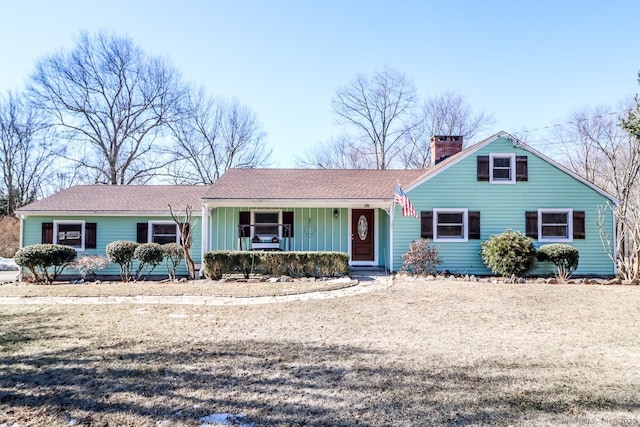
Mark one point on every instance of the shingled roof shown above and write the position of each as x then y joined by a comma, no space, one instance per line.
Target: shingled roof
118,198
309,184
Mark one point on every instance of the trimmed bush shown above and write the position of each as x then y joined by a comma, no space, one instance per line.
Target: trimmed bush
121,252
508,254
294,264
173,255
564,257
148,255
421,258
45,262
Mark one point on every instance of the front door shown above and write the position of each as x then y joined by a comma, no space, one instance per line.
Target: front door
362,238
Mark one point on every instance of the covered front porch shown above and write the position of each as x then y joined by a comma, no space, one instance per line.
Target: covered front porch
362,231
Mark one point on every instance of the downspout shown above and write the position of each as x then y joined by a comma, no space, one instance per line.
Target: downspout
391,216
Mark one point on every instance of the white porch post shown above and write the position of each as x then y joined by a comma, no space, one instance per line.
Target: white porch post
391,215
205,236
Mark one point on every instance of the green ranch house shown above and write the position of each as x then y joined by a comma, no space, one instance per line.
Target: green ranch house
469,194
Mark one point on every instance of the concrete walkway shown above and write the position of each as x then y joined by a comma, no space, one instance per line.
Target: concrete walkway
368,281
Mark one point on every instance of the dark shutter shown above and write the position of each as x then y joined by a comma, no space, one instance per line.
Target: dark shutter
483,168
522,168
287,219
185,229
532,225
245,219
90,235
426,224
474,225
142,232
47,232
579,225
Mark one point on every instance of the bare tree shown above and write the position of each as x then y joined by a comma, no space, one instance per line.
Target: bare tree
376,108
445,114
215,135
597,148
24,158
110,101
184,222
336,153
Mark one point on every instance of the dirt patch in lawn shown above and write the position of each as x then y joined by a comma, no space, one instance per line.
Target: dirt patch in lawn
228,288
418,353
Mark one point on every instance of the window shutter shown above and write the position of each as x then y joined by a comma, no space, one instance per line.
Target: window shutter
426,224
287,219
579,225
90,235
474,225
142,232
245,219
185,228
47,232
483,168
522,168
532,225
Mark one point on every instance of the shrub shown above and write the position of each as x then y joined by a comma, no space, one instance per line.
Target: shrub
510,253
148,255
121,252
87,265
9,236
295,264
564,257
173,254
45,262
421,258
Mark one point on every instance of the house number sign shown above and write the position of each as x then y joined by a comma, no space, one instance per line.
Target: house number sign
363,227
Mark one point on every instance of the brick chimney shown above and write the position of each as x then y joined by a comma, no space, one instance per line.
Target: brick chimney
444,146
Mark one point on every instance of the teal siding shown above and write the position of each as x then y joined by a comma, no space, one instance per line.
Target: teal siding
503,206
109,229
314,229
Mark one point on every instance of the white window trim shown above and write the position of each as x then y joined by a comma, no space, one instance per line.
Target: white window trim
465,225
569,213
512,164
253,220
70,221
150,225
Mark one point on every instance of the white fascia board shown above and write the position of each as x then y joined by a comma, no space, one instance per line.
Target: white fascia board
26,214
295,203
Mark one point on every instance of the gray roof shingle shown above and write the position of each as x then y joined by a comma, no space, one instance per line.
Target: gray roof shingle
310,184
119,198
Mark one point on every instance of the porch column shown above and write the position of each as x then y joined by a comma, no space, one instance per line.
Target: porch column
205,236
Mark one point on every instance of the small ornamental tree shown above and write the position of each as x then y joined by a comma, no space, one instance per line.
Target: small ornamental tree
421,258
87,265
148,255
564,257
173,255
121,252
45,262
508,254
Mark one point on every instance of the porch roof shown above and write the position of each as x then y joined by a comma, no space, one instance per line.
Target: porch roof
310,184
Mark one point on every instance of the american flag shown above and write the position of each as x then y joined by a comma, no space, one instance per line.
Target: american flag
402,199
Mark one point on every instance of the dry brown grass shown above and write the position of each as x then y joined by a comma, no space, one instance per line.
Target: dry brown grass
420,353
240,289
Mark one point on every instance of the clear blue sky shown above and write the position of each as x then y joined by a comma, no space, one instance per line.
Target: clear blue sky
530,63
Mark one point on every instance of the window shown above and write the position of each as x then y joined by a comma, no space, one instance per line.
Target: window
555,225
450,225
265,224
163,232
502,168
450,222
69,233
